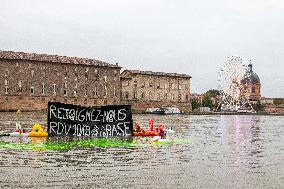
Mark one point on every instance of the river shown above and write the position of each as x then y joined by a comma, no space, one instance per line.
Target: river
212,151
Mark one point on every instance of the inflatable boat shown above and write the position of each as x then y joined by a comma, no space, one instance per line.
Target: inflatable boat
145,133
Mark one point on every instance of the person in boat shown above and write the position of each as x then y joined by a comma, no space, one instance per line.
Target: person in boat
151,125
138,128
161,131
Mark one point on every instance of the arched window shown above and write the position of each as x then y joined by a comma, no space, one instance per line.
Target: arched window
126,95
253,89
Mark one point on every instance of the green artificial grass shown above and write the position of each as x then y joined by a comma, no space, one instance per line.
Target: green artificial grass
51,145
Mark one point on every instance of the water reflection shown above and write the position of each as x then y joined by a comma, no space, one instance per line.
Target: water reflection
243,131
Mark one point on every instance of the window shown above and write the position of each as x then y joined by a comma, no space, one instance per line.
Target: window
42,89
179,96
54,89
65,84
105,78
173,96
6,89
150,84
75,93
32,90
253,89
159,96
95,91
165,86
86,92
172,86
33,73
158,85
96,71
143,85
105,91
20,87
166,96
135,83
86,76
6,82
126,95
143,95
179,87
65,92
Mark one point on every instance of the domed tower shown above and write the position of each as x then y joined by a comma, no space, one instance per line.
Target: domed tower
251,80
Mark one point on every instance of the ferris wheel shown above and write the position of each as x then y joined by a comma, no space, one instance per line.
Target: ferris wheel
234,89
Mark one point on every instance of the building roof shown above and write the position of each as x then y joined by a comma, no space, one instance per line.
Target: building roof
125,74
11,55
251,76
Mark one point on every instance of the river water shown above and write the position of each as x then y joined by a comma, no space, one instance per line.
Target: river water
214,151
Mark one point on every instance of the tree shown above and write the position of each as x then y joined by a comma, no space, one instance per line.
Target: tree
207,102
258,106
212,93
194,104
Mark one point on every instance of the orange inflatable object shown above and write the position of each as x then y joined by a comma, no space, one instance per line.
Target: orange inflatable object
145,133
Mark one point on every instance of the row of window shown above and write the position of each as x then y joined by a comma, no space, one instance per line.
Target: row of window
55,89
86,75
150,96
158,85
75,101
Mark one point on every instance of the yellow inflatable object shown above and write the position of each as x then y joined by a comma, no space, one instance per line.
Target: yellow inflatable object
38,131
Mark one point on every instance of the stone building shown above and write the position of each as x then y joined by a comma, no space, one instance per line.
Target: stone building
28,81
253,82
146,89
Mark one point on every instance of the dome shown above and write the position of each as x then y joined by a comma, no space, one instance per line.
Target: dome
250,76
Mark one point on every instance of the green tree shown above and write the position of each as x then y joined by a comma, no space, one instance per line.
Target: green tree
212,93
258,106
207,102
195,104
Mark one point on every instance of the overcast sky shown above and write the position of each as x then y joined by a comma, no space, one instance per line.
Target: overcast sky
183,36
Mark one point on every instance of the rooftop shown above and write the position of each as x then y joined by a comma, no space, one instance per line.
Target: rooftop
11,55
137,72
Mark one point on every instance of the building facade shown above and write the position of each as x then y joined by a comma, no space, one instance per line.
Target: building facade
28,81
146,89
